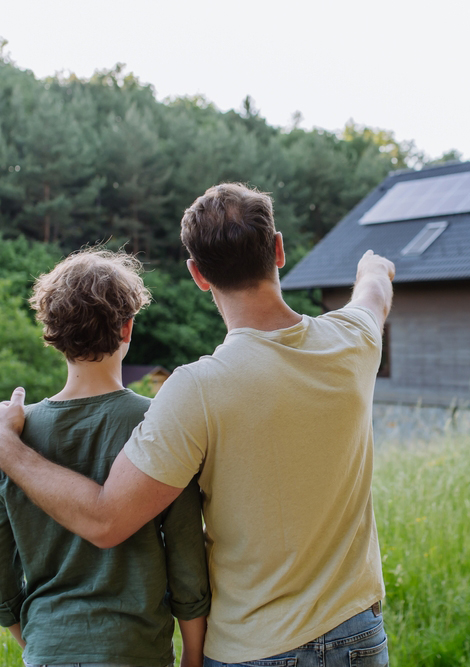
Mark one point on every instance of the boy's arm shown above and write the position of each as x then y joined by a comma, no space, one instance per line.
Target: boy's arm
188,581
12,592
16,633
193,633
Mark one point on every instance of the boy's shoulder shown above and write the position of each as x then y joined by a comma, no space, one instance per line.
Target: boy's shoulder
82,429
132,402
136,399
124,404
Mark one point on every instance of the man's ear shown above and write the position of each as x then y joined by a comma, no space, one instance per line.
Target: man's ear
280,255
197,276
126,331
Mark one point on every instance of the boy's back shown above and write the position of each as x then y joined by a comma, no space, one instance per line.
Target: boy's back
78,600
78,603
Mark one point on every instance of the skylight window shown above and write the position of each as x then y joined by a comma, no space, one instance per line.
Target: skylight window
424,238
422,198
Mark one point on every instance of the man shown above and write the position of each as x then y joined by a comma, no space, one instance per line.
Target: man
278,421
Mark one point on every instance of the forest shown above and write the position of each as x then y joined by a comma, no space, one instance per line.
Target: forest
102,160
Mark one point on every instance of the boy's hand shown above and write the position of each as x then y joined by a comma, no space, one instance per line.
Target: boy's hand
12,412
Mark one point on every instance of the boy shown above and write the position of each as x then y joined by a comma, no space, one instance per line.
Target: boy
69,601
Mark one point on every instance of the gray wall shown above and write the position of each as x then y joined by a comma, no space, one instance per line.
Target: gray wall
429,343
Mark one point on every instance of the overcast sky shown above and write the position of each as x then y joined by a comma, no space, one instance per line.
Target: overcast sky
401,66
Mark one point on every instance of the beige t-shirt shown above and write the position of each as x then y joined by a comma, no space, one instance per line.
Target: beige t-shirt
280,425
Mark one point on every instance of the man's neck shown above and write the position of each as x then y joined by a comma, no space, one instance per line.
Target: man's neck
260,307
92,378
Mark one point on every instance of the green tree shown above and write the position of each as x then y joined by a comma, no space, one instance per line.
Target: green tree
21,262
180,325
24,360
360,138
57,170
138,168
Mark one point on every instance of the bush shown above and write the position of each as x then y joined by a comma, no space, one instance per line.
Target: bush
24,360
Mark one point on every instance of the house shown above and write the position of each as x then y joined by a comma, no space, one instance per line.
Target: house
421,221
156,375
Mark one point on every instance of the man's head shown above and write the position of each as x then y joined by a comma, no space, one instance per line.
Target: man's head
85,301
229,233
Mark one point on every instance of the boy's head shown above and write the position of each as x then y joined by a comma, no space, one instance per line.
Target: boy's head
86,299
229,233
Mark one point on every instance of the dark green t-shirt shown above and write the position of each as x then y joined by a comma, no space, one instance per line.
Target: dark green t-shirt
79,603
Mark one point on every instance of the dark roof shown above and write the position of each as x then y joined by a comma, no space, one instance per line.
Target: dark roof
333,261
132,373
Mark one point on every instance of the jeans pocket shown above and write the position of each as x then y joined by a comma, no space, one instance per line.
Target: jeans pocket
374,656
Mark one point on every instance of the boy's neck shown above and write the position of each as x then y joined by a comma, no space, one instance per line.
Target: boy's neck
92,378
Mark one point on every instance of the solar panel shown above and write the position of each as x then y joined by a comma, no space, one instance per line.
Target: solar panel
422,198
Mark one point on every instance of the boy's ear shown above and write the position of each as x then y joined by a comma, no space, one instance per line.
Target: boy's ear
126,330
197,276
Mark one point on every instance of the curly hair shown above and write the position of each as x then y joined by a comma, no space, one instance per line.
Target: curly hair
86,299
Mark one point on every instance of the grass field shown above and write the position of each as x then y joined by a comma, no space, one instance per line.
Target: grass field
422,505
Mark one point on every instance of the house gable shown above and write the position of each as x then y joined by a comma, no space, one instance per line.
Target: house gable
333,261
428,337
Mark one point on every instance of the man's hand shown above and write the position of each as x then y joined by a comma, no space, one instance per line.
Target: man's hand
372,263
12,412
373,288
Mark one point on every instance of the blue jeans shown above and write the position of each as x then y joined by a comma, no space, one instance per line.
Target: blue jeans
81,664
358,642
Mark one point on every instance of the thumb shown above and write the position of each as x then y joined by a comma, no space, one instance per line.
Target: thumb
18,396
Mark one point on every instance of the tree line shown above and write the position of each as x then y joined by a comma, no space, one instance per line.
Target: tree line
103,160
93,159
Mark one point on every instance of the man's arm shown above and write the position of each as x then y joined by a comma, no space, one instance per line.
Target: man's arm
104,515
373,287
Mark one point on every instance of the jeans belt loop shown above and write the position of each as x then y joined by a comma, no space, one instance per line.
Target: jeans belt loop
377,608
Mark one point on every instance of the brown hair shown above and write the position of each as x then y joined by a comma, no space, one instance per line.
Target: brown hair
229,233
86,299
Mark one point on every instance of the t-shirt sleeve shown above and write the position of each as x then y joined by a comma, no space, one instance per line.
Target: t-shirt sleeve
12,593
365,320
357,330
171,442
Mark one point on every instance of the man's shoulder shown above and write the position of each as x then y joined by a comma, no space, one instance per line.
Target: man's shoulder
359,317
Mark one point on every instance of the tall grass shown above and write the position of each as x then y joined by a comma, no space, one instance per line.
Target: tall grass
422,503
422,506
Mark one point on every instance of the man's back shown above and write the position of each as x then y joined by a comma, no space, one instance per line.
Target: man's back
282,420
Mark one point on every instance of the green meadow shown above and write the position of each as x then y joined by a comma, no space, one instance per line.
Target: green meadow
422,505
